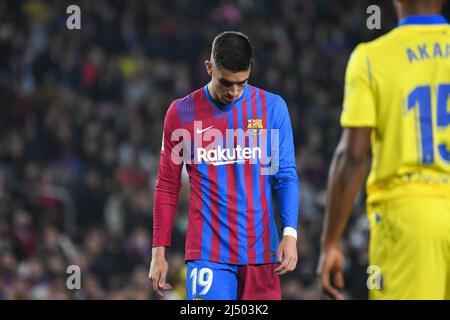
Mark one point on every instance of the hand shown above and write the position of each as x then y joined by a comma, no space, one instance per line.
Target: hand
158,271
287,255
331,263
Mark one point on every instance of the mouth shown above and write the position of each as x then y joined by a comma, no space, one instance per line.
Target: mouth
230,99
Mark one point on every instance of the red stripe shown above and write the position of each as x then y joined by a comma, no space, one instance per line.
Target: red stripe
232,200
248,180
266,231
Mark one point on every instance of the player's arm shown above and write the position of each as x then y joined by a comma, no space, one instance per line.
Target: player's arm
287,189
348,167
166,193
347,172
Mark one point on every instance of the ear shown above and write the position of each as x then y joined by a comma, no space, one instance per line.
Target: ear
208,65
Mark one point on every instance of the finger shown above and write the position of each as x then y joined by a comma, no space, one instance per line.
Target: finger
283,271
290,264
158,292
335,294
324,278
331,292
325,282
166,286
279,269
155,282
161,284
280,255
293,264
292,261
339,279
282,265
328,288
153,276
283,268
162,278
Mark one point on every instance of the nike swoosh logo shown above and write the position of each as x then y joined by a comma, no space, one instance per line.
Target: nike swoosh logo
227,162
203,130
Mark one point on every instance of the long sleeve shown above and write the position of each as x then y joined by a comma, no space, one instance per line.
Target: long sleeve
168,183
285,177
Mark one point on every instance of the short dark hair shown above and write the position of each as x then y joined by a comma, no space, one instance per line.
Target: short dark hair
233,51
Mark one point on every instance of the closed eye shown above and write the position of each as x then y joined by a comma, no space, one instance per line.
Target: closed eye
227,83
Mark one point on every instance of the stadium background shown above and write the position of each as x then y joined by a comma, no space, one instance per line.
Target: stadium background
81,116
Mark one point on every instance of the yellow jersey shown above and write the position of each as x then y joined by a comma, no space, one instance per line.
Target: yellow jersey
399,85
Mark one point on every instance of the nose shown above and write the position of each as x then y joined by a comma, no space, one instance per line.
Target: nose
234,90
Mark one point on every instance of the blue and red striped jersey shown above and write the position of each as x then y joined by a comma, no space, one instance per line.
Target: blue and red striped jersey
235,155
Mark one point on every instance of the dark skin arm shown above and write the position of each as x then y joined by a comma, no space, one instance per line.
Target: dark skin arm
347,173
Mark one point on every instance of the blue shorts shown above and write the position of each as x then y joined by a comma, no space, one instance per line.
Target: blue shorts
206,280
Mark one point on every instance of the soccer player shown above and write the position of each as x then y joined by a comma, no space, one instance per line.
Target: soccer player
235,141
397,100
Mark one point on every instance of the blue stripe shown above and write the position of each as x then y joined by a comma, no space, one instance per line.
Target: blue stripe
423,19
185,108
206,212
223,213
241,197
217,113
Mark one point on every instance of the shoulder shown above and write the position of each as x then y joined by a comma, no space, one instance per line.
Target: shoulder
185,102
379,44
183,108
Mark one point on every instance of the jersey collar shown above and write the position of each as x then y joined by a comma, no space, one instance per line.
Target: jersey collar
224,107
423,19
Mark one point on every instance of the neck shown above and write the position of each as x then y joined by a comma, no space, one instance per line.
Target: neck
420,7
212,92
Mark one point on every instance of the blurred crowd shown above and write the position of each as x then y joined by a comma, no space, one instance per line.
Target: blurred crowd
81,115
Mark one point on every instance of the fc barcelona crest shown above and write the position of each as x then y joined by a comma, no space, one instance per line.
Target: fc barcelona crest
254,126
